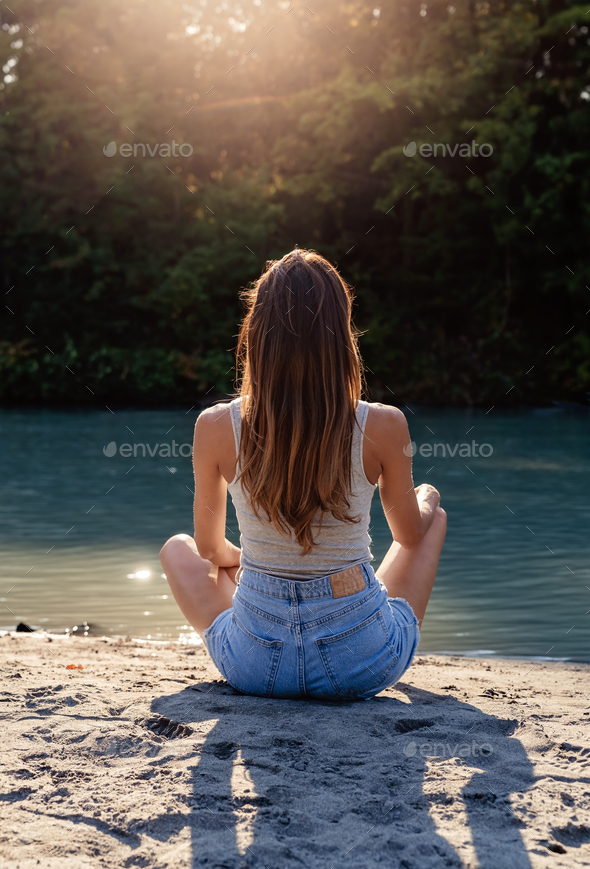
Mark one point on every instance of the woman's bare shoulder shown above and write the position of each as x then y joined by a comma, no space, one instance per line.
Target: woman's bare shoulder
214,412
385,417
214,421
386,426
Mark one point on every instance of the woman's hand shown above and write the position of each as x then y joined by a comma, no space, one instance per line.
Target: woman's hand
428,499
231,571
427,493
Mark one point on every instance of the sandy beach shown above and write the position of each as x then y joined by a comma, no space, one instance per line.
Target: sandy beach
143,756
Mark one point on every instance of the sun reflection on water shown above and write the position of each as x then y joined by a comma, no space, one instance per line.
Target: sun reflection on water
191,638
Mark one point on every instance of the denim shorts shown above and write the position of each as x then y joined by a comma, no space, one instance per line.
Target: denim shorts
293,638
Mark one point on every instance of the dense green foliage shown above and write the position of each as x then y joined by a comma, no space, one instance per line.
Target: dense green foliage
122,274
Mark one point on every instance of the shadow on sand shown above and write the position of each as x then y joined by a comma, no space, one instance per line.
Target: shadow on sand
408,779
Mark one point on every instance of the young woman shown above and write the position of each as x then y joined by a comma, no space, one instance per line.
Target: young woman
298,610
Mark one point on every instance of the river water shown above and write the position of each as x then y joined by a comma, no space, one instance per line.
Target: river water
80,529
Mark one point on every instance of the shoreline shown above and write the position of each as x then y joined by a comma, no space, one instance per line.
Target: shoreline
133,753
475,654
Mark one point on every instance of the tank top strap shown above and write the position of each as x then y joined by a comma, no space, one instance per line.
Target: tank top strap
362,412
358,437
235,409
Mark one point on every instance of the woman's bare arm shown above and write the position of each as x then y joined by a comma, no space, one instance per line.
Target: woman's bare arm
211,493
409,511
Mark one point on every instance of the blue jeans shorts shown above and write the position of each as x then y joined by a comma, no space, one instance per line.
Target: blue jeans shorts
293,638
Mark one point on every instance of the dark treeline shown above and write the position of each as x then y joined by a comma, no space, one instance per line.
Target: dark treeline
121,274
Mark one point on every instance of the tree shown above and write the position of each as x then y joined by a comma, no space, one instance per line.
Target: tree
122,273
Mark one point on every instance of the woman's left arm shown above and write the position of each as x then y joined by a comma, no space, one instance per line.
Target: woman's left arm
211,493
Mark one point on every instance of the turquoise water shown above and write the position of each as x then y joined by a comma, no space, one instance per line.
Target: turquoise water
80,531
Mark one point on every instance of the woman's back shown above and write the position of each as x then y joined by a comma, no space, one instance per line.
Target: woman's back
338,545
309,616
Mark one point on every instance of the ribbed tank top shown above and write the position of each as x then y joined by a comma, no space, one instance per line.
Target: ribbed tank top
339,545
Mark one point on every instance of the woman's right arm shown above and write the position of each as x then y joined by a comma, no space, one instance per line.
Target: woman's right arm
409,511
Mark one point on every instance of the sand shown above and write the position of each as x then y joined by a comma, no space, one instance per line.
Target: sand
147,758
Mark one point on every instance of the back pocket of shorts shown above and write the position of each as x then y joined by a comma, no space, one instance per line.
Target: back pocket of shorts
358,660
250,663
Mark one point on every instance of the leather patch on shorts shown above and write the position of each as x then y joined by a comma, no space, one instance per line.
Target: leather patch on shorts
348,581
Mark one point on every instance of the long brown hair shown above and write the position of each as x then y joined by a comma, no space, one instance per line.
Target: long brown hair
301,381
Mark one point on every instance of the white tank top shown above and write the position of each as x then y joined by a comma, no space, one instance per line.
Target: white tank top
339,545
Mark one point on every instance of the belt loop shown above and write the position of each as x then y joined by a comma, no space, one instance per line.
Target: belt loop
238,574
